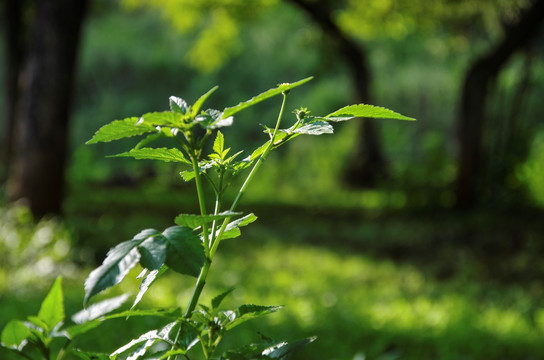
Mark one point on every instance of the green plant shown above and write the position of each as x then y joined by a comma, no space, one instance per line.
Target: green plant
190,246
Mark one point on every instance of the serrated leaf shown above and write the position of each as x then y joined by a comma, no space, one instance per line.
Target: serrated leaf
261,149
178,105
185,253
232,230
189,175
163,118
248,312
52,308
145,341
193,220
79,329
119,261
15,335
216,301
315,128
99,309
88,355
198,104
163,154
263,96
147,282
219,143
286,351
162,133
120,129
365,111
153,252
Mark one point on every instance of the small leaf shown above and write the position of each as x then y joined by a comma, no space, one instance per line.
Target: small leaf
52,308
216,301
232,230
15,335
120,129
193,221
185,253
248,312
164,118
119,261
162,154
263,96
286,351
198,104
315,128
87,355
365,111
147,282
178,105
153,252
219,143
99,309
145,341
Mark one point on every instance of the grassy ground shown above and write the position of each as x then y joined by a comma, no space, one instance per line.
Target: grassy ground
369,285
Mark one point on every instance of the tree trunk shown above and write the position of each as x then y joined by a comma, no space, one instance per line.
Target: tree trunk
13,48
474,95
368,165
46,87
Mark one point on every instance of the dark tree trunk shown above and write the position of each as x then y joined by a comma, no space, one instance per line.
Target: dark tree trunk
13,48
46,86
474,95
368,165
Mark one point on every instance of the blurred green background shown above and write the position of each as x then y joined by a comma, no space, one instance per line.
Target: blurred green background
391,271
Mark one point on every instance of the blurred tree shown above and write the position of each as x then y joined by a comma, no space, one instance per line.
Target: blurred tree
479,79
39,104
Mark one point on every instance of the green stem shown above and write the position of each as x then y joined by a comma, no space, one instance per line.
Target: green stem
252,173
206,267
201,200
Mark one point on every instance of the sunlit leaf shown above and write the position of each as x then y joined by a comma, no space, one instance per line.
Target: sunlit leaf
52,308
140,345
198,104
365,111
15,335
99,309
162,154
248,312
286,351
315,128
119,261
216,301
193,221
120,129
263,96
147,282
164,118
232,230
178,105
219,143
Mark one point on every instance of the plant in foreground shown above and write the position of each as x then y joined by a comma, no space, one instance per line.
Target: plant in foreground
187,248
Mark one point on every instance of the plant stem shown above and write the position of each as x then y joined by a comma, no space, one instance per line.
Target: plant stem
201,201
204,271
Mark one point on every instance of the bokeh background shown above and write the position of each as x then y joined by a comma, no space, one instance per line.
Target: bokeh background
387,240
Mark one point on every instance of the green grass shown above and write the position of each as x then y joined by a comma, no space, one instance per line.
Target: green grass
420,286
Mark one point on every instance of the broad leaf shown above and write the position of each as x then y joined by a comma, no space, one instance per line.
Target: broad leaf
232,230
193,221
15,335
52,308
286,350
164,118
365,111
198,104
120,129
153,252
119,261
185,250
79,329
162,133
99,309
162,154
88,355
147,282
178,105
140,345
248,312
263,96
315,128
